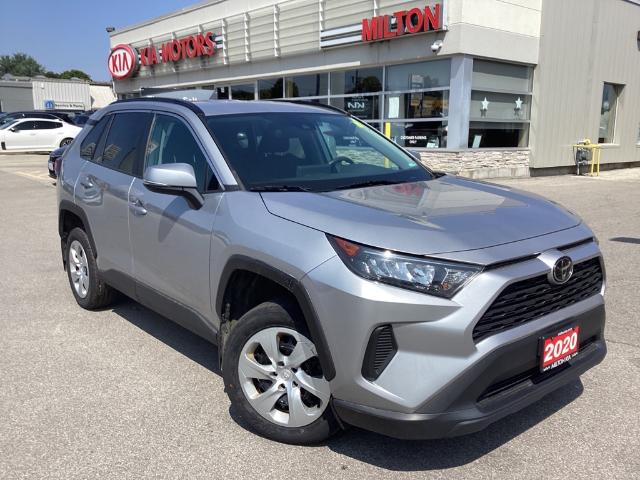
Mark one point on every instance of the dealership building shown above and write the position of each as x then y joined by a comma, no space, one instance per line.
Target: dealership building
483,88
41,93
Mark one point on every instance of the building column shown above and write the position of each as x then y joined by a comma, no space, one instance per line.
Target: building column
459,101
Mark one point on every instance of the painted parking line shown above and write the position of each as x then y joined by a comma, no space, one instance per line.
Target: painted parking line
39,177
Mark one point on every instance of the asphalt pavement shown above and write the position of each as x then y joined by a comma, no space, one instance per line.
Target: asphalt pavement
125,393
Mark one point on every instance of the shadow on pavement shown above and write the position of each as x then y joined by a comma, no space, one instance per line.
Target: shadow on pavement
400,455
626,240
378,450
180,339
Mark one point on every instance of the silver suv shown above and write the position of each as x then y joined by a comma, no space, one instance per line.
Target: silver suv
343,282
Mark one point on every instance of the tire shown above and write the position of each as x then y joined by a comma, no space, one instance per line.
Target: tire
82,271
66,141
311,419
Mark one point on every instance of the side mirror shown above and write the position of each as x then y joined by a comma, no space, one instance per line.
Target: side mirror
13,129
175,179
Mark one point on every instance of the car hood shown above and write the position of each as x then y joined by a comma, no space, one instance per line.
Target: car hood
443,215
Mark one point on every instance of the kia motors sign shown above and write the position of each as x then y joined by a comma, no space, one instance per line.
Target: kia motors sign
122,61
191,46
403,22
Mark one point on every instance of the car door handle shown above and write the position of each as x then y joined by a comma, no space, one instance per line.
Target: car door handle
87,184
137,207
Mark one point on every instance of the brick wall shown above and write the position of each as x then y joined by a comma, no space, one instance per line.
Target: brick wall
479,163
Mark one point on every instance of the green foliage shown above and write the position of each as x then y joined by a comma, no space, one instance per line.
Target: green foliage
75,73
20,65
23,65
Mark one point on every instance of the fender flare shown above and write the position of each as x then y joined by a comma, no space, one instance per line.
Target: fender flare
291,284
66,205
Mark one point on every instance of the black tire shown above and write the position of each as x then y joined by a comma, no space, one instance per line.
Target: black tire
266,315
99,294
66,141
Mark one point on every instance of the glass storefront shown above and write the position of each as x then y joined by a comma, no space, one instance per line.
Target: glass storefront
307,85
500,106
245,91
410,102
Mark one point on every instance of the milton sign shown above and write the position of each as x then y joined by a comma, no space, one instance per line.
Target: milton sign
124,60
403,22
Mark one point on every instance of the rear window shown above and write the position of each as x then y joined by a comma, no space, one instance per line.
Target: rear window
90,142
124,147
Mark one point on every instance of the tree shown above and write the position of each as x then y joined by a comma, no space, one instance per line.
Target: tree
23,65
67,74
20,65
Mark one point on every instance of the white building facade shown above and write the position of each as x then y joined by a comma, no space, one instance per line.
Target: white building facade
481,87
41,93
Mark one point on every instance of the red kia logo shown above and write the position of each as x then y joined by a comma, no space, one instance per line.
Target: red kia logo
122,61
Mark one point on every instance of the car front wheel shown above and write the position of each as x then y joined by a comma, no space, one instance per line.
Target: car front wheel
273,377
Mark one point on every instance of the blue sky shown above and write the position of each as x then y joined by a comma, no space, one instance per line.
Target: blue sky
66,34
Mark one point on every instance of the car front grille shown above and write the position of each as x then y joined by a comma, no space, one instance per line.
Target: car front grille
529,299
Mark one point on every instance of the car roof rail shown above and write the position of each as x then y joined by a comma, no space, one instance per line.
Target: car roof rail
319,105
176,101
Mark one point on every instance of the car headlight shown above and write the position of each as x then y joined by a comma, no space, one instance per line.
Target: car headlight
435,277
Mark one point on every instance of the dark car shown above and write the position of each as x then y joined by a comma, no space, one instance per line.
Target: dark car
65,116
55,160
9,117
80,119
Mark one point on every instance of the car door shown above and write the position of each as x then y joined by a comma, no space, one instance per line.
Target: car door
171,239
45,133
115,149
20,136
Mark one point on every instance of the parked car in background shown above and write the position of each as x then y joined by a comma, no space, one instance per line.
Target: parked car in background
81,119
68,116
36,135
54,162
10,117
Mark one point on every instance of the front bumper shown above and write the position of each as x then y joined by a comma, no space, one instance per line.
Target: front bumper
502,383
438,373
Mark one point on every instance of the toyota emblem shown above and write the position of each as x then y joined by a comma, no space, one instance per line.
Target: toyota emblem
561,271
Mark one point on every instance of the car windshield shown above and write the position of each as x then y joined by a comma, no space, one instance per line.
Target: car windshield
310,151
10,122
6,120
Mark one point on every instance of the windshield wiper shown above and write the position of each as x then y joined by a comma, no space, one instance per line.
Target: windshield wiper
279,188
369,183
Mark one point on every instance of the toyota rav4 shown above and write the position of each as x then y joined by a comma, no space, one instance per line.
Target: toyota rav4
342,281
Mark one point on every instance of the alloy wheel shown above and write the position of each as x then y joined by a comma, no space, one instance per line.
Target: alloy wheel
79,268
281,377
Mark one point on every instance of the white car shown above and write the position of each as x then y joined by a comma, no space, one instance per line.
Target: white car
36,135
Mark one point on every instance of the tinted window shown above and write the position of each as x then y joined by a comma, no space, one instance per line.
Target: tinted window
171,141
125,142
419,75
307,85
357,81
47,125
316,151
25,126
39,115
243,92
271,88
90,142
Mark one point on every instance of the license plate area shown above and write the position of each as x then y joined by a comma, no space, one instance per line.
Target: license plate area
559,348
